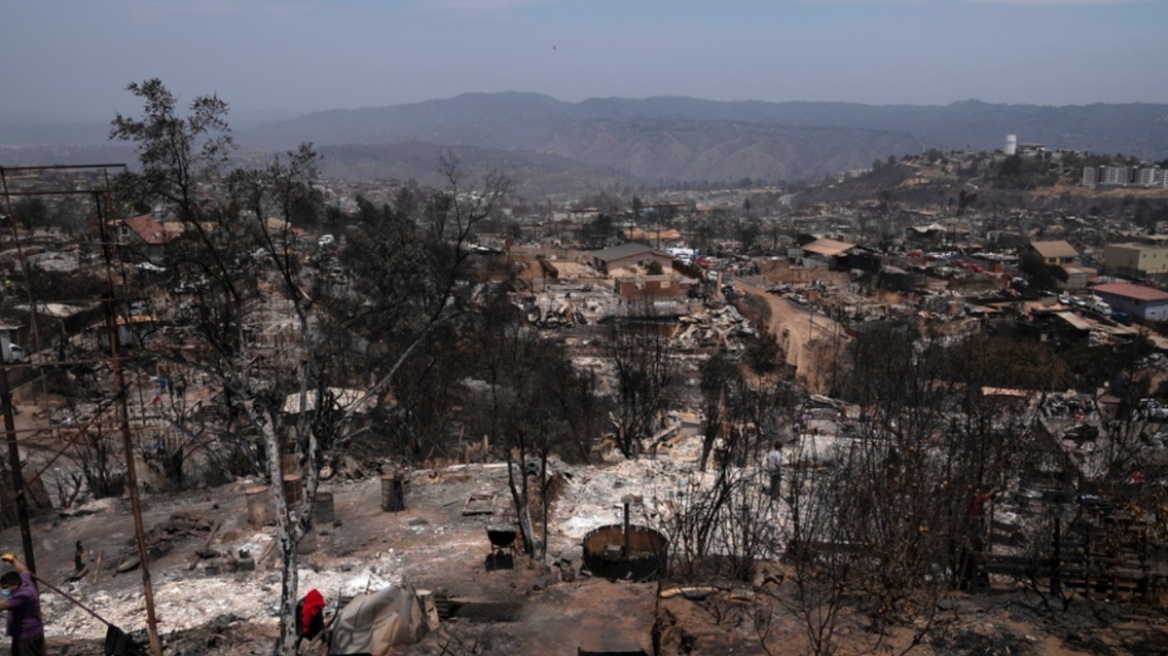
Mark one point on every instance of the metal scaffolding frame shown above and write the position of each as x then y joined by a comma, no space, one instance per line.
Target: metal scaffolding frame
34,185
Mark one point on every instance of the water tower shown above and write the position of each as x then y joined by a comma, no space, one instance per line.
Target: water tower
1011,144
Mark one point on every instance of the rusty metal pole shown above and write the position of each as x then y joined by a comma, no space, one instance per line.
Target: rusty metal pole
132,477
627,548
32,311
14,466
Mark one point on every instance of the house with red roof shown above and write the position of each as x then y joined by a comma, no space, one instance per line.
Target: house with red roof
144,229
146,232
1139,301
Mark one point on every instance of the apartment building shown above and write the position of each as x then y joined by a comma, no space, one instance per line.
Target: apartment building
1136,261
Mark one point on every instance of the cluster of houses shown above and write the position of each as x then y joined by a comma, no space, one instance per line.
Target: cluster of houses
1103,300
1118,285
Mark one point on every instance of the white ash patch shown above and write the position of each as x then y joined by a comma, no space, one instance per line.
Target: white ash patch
186,599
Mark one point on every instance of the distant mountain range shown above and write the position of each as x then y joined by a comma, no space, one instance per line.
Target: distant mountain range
661,139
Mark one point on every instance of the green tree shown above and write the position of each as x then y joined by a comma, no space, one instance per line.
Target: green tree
749,231
31,212
1041,276
1018,172
599,231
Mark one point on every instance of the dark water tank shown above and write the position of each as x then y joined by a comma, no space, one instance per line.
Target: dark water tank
643,557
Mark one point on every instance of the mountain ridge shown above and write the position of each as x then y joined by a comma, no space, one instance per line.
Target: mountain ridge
682,138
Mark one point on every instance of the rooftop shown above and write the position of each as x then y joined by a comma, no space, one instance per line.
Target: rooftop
1060,248
624,250
344,398
828,247
149,229
1136,292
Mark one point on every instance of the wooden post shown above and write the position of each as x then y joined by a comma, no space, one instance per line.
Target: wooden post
628,500
393,492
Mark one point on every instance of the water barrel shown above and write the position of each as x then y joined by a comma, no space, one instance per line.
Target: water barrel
322,509
293,490
260,511
393,495
646,557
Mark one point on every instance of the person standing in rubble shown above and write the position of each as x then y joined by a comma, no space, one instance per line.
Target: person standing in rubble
774,468
721,453
975,516
23,605
977,532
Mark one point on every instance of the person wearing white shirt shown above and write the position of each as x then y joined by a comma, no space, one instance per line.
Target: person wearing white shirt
774,467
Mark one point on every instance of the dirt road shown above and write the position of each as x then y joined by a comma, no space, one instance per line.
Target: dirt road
802,332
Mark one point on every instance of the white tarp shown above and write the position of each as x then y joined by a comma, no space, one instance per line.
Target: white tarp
373,624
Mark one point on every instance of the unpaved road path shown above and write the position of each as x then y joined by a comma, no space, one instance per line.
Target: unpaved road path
799,329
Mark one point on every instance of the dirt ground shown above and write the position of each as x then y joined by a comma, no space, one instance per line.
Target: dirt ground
519,607
431,545
510,606
798,330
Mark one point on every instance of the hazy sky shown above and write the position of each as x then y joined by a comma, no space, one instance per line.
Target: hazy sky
74,57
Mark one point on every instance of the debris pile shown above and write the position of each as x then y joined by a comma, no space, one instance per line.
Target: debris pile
720,328
182,525
566,307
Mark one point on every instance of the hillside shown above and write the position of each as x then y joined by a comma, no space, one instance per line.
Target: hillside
532,121
660,139
536,174
653,145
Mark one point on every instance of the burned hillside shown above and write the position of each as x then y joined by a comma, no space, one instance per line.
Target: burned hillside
239,394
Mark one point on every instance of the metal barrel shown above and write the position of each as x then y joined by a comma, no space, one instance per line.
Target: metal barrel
293,490
260,511
323,511
393,497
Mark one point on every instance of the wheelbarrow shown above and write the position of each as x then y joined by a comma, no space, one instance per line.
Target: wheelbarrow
502,542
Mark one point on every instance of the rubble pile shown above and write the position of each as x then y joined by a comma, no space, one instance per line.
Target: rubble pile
718,328
180,526
567,306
